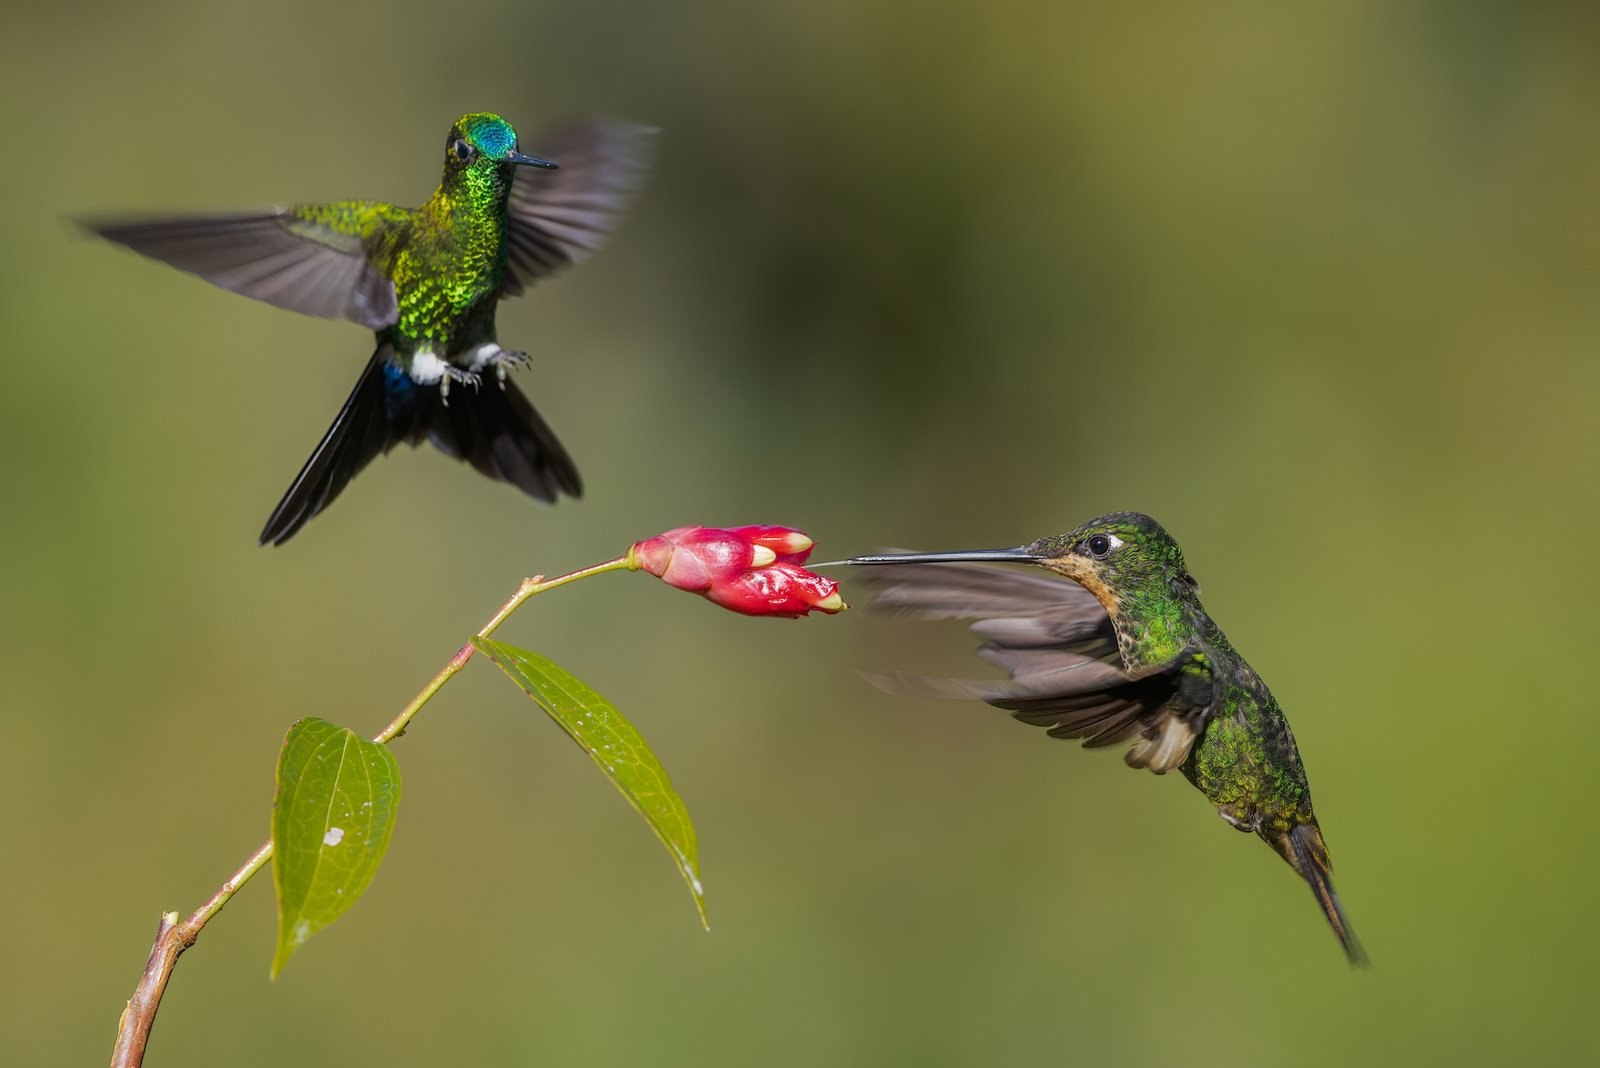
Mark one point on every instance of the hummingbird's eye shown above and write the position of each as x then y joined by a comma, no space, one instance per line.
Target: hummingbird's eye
1100,545
461,150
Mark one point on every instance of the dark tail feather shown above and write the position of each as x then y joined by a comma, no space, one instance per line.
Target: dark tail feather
360,431
494,428
1305,851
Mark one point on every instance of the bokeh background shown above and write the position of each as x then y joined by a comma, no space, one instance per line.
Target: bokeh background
1315,285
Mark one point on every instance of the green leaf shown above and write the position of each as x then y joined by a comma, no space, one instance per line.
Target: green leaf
614,744
338,795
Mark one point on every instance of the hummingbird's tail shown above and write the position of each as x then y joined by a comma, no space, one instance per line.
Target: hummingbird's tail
493,427
1307,854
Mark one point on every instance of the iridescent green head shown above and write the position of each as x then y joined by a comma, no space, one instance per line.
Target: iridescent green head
483,143
1114,554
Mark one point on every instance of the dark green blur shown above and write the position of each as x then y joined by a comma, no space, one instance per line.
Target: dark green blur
1317,290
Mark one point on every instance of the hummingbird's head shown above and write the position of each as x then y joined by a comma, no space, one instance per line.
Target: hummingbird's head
1114,555
485,143
1111,557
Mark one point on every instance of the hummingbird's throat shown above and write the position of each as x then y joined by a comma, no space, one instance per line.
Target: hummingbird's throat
1084,574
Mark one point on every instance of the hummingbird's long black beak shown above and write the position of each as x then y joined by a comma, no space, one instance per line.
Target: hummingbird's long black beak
530,161
1020,555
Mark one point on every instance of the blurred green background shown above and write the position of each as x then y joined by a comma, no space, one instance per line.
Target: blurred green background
1313,285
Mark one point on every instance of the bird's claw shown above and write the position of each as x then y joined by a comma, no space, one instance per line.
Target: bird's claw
453,373
504,361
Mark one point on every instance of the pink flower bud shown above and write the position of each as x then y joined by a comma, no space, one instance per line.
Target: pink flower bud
790,546
754,569
779,589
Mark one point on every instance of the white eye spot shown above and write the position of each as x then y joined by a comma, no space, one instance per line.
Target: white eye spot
1100,546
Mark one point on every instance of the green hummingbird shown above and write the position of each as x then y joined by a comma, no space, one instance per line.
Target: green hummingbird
1124,651
427,281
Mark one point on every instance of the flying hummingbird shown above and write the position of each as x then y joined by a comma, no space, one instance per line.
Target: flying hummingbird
427,281
1124,651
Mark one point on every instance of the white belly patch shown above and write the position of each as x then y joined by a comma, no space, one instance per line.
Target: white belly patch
484,355
426,367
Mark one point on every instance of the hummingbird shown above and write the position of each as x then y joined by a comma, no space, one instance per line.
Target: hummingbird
1123,651
427,282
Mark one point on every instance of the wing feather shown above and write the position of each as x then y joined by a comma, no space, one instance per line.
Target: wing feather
1058,647
559,217
283,257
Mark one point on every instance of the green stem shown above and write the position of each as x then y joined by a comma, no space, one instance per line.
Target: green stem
529,587
172,937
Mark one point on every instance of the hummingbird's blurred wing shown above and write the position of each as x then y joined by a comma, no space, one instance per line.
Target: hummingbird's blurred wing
308,259
1049,608
1055,641
563,216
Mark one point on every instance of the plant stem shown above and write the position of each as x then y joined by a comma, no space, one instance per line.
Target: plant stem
172,937
529,587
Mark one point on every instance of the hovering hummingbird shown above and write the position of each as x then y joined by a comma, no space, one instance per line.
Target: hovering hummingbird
1124,651
427,281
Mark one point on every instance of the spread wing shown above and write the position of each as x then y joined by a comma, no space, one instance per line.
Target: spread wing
563,216
310,259
1055,641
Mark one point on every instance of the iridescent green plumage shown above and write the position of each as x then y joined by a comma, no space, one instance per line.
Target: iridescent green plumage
449,262
1126,651
427,281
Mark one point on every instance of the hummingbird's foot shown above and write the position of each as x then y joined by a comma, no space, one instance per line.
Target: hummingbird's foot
504,363
502,360
452,373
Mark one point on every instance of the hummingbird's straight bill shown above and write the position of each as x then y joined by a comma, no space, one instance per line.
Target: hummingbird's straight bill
1123,651
1019,555
427,282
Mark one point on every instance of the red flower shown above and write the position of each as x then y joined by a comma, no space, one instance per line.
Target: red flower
754,570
